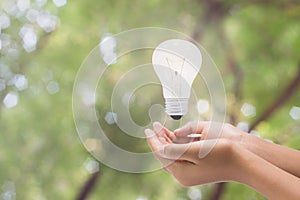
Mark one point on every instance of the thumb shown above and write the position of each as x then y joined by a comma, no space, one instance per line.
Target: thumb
158,128
187,151
191,127
192,152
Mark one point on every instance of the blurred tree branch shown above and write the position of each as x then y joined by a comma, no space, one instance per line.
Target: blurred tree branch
283,97
88,186
214,11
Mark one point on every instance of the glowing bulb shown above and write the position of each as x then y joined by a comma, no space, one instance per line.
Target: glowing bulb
176,63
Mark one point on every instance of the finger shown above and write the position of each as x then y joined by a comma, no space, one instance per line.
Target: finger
182,140
170,166
158,128
191,127
169,134
154,143
157,147
192,152
188,152
164,132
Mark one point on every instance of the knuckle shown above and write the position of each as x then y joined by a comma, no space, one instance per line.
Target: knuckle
225,144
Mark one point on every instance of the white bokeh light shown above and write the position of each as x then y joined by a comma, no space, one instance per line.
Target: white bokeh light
88,97
23,5
47,21
202,106
142,198
24,29
30,41
111,118
91,165
248,110
11,100
59,3
20,82
110,58
295,113
10,7
243,126
194,193
9,191
4,21
27,33
107,48
108,44
32,15
52,87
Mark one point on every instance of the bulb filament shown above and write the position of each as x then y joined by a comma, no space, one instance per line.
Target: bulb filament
177,67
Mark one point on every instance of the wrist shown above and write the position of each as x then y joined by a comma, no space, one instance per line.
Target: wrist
266,178
241,157
235,159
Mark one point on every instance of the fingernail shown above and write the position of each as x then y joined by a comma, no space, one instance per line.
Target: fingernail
149,133
157,126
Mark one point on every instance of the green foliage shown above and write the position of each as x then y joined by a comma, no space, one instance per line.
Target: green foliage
40,150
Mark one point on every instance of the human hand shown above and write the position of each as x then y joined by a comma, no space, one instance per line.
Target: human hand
185,163
208,130
278,155
259,166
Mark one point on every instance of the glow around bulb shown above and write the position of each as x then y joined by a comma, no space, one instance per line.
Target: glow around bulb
176,63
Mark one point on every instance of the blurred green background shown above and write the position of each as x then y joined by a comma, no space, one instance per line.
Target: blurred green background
255,44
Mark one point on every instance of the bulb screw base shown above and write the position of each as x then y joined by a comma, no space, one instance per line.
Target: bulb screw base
176,107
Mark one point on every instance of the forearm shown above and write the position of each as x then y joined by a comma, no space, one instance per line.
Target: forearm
283,157
271,181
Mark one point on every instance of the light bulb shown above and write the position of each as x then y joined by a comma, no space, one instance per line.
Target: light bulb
176,63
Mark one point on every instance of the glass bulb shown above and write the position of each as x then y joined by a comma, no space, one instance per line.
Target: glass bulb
176,63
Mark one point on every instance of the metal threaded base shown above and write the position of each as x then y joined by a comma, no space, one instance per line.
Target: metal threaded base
176,107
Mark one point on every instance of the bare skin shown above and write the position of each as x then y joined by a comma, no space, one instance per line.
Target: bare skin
229,155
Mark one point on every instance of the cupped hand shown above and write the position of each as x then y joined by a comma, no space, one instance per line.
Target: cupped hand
184,161
208,130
